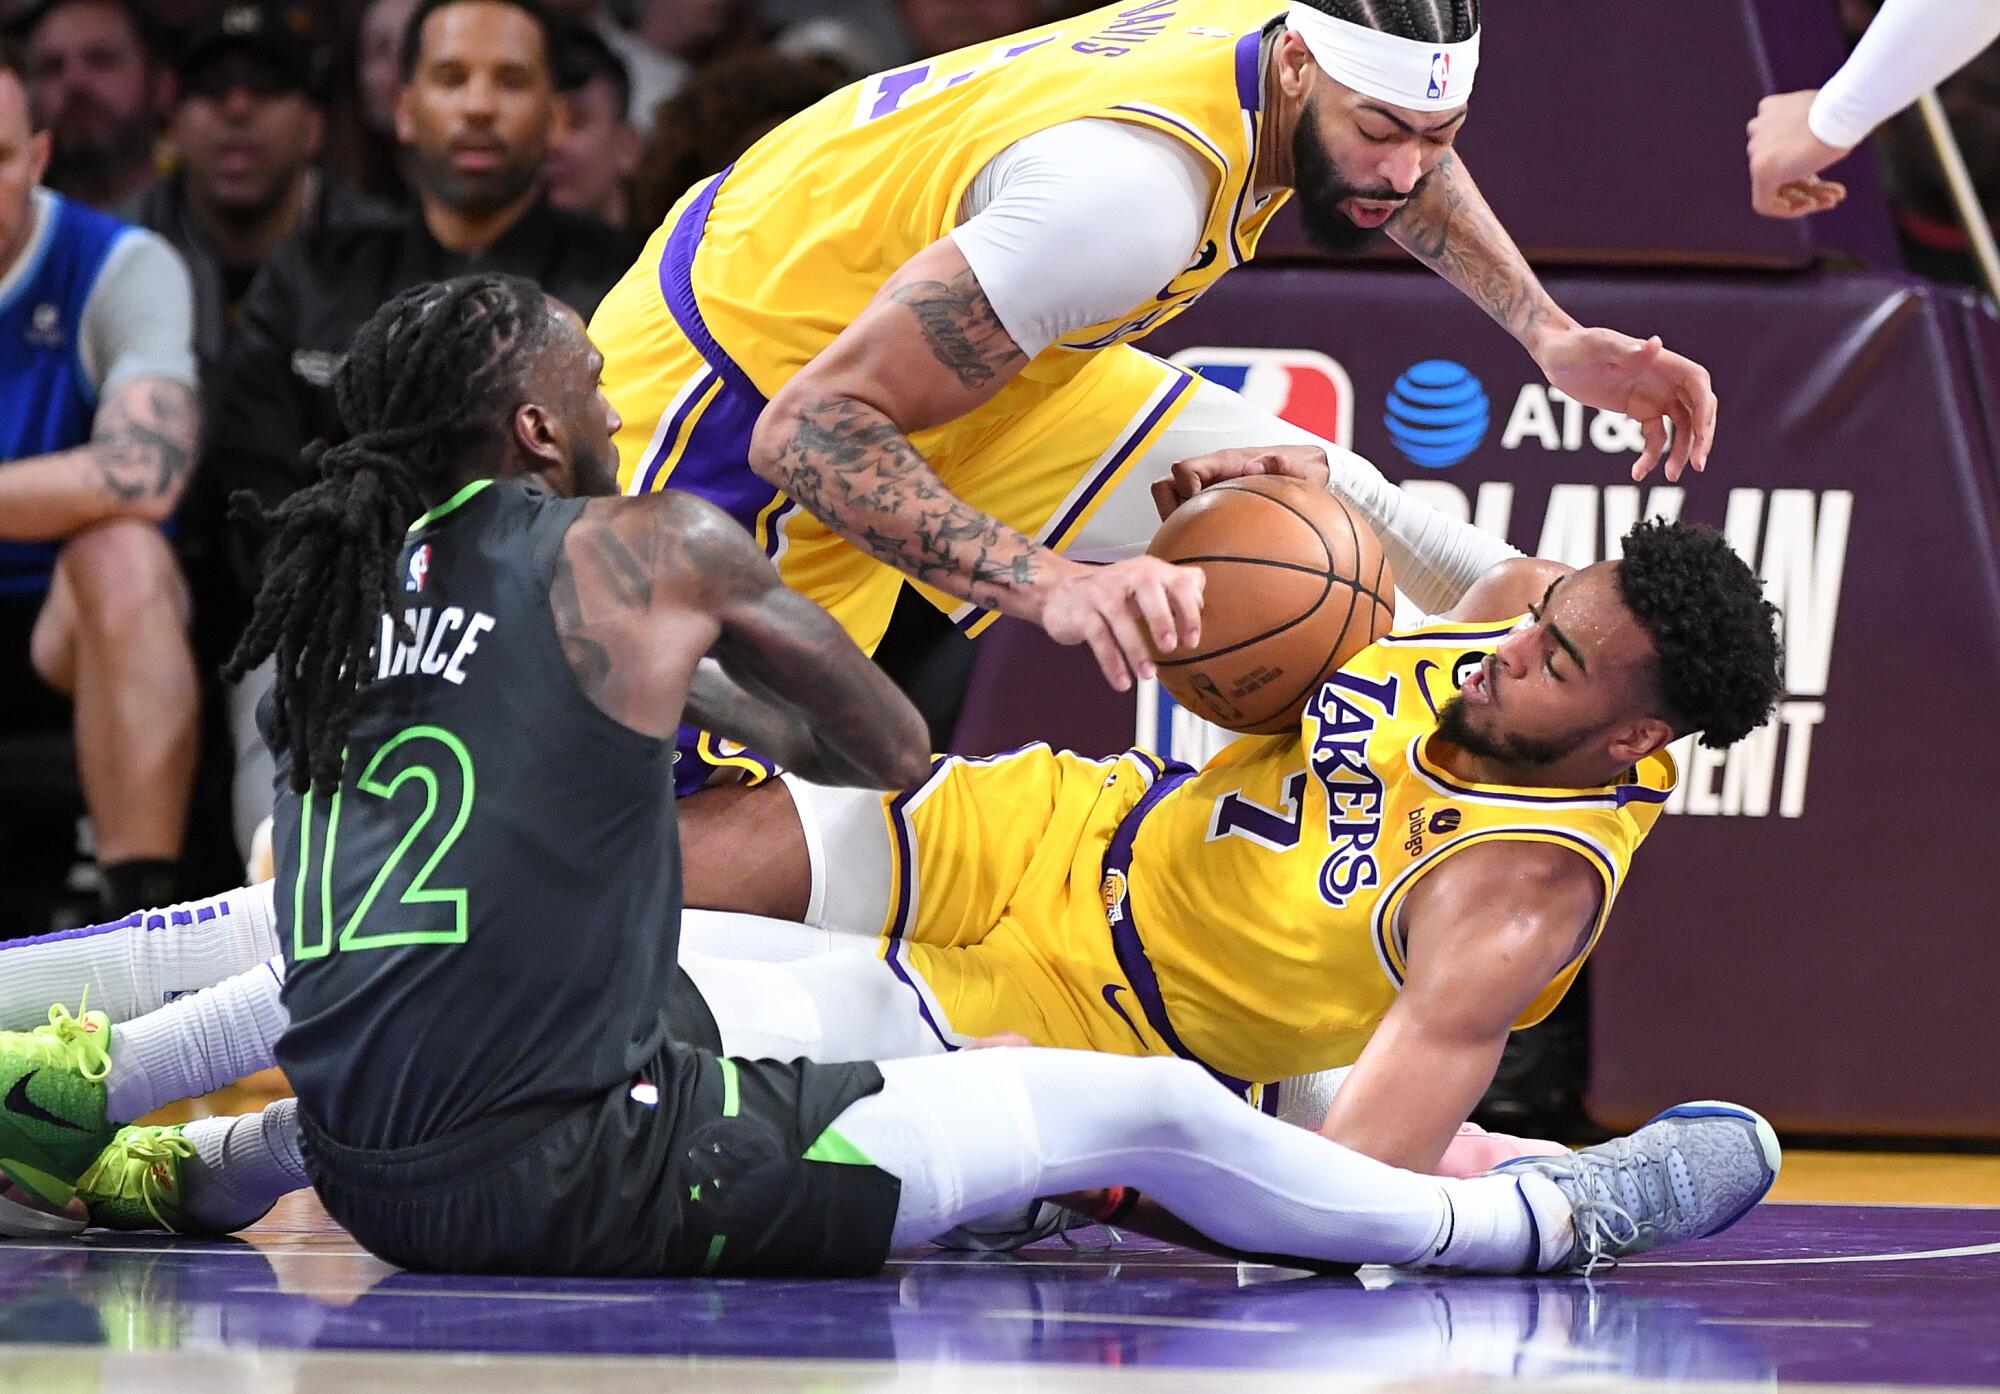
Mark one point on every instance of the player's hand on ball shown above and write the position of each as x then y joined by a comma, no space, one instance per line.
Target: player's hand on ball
1126,612
1197,472
1786,158
1643,379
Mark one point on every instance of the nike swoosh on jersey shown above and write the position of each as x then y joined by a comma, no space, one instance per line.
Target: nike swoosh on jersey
1111,991
19,1102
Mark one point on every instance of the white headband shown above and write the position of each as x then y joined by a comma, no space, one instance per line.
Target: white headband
1402,72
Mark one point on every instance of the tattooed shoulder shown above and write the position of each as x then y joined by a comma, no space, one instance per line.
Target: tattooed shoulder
958,322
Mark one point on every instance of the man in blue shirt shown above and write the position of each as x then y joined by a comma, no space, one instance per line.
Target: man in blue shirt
98,421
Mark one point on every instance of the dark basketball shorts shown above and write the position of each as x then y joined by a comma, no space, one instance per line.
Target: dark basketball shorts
702,1165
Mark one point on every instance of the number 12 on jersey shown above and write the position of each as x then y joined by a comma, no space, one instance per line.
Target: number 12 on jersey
438,762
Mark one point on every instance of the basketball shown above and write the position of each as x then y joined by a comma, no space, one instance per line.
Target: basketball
1297,585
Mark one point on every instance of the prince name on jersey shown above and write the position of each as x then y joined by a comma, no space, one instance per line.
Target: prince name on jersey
432,640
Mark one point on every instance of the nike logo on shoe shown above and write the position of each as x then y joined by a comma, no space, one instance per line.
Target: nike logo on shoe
18,1102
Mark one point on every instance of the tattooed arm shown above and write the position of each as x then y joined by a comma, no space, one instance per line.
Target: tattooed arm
927,350
140,454
644,587
1448,226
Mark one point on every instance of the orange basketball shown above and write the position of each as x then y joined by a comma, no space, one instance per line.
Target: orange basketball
1297,585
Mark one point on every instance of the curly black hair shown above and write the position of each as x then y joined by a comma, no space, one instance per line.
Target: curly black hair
428,383
1426,21
1714,634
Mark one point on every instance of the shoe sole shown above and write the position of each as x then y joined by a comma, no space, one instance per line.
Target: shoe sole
18,1221
1767,1144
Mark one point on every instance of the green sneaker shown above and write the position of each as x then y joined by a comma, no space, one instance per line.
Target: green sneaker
135,1183
52,1123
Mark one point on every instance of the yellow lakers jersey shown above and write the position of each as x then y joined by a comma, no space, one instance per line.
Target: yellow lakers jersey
1265,888
808,224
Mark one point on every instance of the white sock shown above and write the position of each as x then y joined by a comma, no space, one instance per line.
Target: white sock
982,1131
132,966
1505,1223
242,1166
199,1043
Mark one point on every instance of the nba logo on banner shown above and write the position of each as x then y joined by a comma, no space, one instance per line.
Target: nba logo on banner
1308,389
420,567
1440,74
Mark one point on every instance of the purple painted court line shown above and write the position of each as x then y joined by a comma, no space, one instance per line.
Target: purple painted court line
1812,1293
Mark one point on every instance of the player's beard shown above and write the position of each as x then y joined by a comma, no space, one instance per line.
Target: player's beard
1322,189
1522,752
595,473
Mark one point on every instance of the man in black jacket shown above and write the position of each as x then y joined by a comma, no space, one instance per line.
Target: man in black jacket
479,95
247,129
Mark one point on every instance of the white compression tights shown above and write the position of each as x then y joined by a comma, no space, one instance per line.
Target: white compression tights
980,1132
830,1007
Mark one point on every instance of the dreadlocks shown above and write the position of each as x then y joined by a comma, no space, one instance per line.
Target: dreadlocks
1427,21
429,379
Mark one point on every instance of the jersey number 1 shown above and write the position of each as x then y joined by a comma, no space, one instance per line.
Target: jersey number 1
400,761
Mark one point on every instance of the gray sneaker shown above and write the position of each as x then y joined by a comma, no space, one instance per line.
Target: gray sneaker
1693,1171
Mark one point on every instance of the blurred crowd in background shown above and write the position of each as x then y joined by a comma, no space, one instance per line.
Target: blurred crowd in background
307,161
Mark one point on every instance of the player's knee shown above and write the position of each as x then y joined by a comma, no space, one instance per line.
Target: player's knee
124,577
1186,1097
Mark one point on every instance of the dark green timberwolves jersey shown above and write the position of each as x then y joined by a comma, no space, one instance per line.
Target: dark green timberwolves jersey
484,915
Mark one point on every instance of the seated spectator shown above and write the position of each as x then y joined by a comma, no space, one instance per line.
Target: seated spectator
653,75
98,424
361,146
594,150
722,112
97,83
477,103
246,132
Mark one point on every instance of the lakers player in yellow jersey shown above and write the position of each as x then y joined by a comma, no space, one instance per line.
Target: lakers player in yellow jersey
896,339
1422,867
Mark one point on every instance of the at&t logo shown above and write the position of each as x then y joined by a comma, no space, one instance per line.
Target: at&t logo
1437,413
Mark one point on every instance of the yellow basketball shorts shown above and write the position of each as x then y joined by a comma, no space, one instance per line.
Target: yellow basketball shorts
983,887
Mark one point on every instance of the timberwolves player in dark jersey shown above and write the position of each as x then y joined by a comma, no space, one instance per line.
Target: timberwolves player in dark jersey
481,664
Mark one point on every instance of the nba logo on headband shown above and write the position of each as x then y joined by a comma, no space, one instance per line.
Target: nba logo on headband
1428,76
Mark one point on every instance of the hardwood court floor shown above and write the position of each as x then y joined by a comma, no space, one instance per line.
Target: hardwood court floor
1877,1271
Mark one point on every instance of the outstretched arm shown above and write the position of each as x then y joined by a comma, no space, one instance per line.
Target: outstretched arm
928,350
644,587
1486,932
1912,46
1448,226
